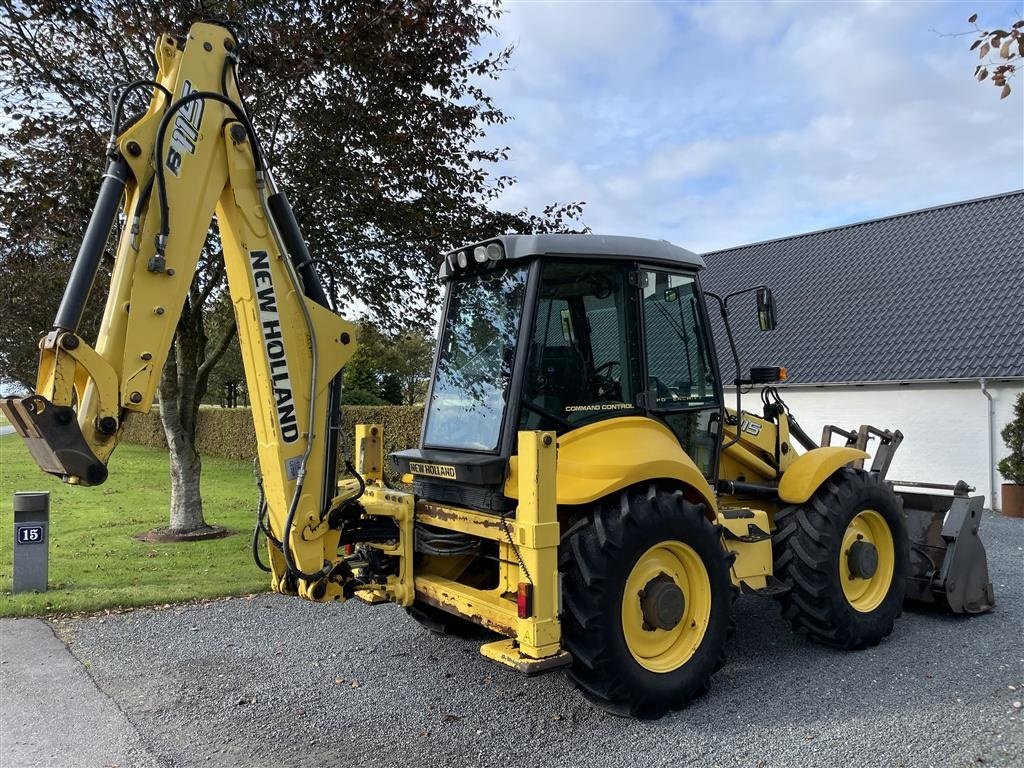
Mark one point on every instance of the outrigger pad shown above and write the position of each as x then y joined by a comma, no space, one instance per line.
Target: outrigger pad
948,566
54,439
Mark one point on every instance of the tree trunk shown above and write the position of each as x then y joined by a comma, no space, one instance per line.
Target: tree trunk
183,384
186,468
178,409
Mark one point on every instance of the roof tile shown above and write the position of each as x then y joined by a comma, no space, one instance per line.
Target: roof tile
927,295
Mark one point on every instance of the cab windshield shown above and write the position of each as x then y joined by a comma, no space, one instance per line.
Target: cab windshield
474,361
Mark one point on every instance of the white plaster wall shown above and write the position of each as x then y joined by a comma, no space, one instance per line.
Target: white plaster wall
945,426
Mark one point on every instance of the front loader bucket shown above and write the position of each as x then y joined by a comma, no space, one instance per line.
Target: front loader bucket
948,566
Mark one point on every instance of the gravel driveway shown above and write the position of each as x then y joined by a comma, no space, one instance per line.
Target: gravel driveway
275,681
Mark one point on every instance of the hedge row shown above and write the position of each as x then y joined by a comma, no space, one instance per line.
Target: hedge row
229,433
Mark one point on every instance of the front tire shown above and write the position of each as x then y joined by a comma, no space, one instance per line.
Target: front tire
844,556
646,602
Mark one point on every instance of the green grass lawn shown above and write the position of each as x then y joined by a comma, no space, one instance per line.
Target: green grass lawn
94,561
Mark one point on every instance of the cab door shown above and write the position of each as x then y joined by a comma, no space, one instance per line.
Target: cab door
681,385
583,363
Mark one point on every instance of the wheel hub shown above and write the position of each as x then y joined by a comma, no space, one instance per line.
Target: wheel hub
662,603
867,561
863,559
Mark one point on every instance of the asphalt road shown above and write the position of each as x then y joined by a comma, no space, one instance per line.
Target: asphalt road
37,727
272,680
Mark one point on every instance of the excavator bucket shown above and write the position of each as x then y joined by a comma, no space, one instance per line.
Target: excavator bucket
948,567
54,438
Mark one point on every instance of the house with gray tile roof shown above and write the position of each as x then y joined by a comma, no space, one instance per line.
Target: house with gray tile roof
913,321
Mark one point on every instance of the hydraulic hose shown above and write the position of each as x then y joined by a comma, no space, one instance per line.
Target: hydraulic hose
165,121
256,539
115,128
261,507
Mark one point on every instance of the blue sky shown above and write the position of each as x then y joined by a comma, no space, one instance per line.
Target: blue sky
717,124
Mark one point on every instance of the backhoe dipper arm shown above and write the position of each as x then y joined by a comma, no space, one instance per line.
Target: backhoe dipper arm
194,154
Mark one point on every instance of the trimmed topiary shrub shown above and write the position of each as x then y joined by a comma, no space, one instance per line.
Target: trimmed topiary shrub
1012,467
145,429
226,432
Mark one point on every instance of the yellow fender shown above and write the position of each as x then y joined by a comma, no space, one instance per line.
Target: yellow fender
605,457
809,471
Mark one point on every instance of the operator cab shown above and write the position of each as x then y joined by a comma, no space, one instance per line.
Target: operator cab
554,332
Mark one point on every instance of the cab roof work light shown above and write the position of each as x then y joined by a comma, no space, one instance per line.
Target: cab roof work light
471,256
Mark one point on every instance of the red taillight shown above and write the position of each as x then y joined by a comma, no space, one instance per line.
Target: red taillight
350,548
524,600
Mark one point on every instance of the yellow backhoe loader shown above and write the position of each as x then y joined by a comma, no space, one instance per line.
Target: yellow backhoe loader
580,488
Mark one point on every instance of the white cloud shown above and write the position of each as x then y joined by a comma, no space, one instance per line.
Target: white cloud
723,123
739,22
689,161
561,42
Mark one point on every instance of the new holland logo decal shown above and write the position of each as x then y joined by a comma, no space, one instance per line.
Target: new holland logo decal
433,470
273,343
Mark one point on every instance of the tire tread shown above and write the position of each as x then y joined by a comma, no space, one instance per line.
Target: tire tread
589,549
805,551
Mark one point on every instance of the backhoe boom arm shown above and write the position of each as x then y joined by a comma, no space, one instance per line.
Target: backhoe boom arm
194,155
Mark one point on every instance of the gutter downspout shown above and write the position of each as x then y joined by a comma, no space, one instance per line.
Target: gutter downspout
991,453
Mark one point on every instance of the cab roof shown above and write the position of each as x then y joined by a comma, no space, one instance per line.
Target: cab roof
660,252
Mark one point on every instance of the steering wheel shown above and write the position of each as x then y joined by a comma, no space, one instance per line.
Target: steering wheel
608,387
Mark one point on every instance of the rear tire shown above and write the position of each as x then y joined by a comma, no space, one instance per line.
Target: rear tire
644,537
826,600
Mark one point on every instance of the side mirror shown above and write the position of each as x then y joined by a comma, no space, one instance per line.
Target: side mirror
765,309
